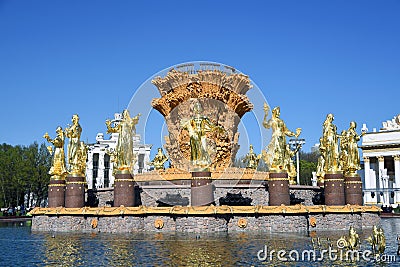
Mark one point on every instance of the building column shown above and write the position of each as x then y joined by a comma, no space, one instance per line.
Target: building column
111,174
396,178
89,170
367,181
382,185
147,158
100,172
372,179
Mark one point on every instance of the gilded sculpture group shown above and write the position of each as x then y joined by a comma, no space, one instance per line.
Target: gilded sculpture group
77,151
338,157
278,155
377,240
334,158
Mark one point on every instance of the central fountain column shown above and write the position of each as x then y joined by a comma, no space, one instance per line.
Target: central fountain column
334,189
201,189
56,193
75,191
124,189
278,189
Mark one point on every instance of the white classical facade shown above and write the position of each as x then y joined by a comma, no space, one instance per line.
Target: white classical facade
99,168
381,153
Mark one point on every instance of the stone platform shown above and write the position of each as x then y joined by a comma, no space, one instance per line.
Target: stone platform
297,218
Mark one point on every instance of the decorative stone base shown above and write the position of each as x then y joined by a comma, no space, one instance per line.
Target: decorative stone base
201,190
273,219
353,190
75,192
278,188
334,189
56,193
124,190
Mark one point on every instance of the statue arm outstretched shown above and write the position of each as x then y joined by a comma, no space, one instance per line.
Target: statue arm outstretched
266,123
111,129
210,126
290,133
135,120
47,137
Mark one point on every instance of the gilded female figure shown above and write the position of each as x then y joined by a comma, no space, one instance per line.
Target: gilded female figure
330,145
198,126
124,150
251,159
159,160
74,134
343,154
58,169
353,156
277,155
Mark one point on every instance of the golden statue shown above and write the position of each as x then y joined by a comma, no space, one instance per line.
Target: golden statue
198,127
329,146
81,157
291,169
159,160
353,156
251,159
58,169
74,134
381,241
321,163
124,151
113,159
352,241
377,240
277,155
343,156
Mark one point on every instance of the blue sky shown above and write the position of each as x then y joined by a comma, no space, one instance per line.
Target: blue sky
310,58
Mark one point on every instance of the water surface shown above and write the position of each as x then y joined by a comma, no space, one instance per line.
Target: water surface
22,247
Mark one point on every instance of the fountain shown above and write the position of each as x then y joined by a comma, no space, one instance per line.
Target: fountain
202,109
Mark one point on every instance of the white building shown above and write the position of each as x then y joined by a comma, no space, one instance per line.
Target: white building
99,168
381,153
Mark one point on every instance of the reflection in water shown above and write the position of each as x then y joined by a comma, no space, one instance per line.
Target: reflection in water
200,250
64,249
20,247
120,252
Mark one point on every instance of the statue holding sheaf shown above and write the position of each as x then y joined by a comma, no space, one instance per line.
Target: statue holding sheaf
58,169
198,127
81,157
329,146
125,157
277,156
74,153
353,155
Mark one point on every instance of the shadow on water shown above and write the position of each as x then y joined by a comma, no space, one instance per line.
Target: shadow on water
21,247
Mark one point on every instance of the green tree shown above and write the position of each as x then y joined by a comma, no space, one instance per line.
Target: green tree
23,172
11,164
308,164
36,175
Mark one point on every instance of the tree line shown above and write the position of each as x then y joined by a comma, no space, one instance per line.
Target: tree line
24,174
